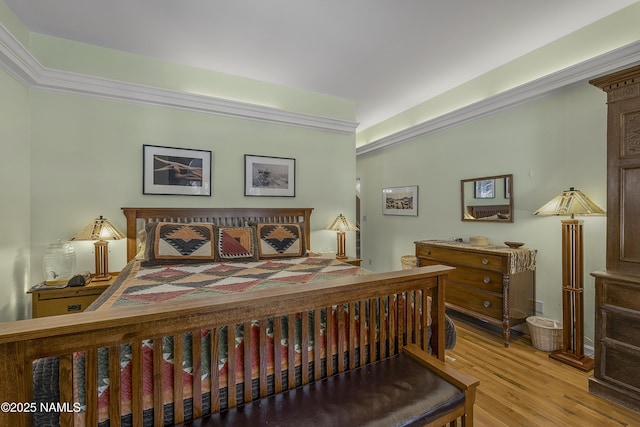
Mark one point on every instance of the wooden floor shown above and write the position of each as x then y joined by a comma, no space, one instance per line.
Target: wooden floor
522,386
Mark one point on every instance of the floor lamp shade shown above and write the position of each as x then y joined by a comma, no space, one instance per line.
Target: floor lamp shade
341,224
100,230
572,202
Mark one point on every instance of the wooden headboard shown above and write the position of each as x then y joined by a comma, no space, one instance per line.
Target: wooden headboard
138,217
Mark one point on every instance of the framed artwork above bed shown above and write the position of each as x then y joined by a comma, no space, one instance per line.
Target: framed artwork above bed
176,171
269,176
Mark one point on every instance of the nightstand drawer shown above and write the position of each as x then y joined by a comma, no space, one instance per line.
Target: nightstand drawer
54,301
68,305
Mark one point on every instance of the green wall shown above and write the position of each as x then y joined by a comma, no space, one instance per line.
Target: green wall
15,195
86,161
548,145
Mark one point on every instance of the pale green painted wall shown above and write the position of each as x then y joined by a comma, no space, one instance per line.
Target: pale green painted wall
86,160
548,145
15,195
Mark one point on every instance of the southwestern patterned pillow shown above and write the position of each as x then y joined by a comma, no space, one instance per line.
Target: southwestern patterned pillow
236,243
280,240
178,243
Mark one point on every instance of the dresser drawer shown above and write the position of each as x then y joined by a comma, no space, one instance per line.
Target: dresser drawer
481,279
456,257
480,302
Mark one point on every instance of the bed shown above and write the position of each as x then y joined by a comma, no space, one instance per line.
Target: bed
101,365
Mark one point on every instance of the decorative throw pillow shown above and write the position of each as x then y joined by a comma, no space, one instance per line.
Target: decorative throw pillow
178,243
236,243
280,240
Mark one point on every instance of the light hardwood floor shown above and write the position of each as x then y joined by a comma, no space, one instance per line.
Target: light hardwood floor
522,386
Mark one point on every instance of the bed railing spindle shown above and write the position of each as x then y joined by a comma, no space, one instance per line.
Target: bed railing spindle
291,350
158,410
264,350
196,357
340,322
373,326
353,334
178,395
317,347
277,354
328,336
114,386
247,343
136,382
65,386
91,384
304,346
363,320
231,366
215,370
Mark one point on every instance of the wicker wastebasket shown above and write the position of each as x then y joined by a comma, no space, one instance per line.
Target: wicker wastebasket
546,334
409,262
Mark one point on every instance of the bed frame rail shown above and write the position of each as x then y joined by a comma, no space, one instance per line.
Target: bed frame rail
396,298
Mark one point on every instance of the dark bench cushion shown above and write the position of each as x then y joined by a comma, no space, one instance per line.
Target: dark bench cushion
393,392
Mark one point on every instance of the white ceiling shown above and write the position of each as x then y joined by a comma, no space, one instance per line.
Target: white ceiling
386,55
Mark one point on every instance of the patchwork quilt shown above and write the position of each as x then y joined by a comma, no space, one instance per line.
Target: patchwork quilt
142,285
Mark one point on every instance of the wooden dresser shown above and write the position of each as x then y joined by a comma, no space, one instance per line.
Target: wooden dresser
491,283
616,373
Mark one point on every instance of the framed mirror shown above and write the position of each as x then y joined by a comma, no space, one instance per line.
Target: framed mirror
489,198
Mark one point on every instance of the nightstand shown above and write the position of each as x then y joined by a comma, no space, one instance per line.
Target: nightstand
352,261
54,301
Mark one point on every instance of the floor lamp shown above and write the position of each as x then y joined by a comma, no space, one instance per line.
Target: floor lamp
570,203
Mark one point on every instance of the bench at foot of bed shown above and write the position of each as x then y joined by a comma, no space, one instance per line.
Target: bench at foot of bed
411,388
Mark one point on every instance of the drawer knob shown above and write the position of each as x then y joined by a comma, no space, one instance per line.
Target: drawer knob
486,304
427,252
73,308
486,280
485,261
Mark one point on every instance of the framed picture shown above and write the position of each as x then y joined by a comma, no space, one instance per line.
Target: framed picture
485,189
269,176
400,201
176,171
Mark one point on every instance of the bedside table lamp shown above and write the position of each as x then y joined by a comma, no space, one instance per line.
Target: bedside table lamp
101,230
570,203
341,225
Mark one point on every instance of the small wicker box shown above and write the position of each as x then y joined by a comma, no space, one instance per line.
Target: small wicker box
546,334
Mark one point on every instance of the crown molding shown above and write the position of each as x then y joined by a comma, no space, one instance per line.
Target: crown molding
25,68
615,60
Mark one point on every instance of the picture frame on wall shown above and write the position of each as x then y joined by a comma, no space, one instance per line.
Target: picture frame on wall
269,176
176,171
400,200
485,189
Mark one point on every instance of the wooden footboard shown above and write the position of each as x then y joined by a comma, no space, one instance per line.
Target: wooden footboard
389,302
